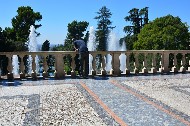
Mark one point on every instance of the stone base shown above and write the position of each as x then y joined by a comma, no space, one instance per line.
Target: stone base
127,71
22,76
111,72
93,73
73,74
45,75
144,70
34,76
182,69
153,70
174,69
161,70
10,76
136,71
103,72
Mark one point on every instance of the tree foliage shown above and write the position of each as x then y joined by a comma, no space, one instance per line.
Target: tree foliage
167,33
104,27
137,18
75,31
6,40
2,40
46,46
58,47
21,24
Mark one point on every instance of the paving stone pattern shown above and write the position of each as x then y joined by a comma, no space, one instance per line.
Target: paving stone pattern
66,102
131,109
49,105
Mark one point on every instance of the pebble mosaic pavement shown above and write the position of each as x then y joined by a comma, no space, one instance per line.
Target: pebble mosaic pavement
159,100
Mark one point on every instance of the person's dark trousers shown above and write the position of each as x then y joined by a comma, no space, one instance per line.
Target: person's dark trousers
77,63
84,64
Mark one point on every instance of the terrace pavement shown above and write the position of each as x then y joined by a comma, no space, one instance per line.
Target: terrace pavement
159,100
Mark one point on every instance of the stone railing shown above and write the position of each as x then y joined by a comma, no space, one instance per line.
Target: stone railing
134,62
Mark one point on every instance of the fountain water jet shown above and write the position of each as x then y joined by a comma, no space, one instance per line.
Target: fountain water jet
122,57
32,47
113,45
15,65
91,45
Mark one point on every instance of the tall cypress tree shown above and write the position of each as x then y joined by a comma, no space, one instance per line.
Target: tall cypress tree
104,27
137,18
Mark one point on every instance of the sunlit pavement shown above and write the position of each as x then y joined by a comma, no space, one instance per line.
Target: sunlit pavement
158,100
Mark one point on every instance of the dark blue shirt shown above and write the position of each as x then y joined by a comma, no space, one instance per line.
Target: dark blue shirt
81,46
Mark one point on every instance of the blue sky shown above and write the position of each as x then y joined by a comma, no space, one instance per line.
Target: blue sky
58,13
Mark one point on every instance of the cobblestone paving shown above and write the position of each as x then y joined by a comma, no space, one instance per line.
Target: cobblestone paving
131,109
161,100
46,105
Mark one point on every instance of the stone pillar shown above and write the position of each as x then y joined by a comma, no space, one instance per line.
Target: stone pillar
59,66
116,64
166,62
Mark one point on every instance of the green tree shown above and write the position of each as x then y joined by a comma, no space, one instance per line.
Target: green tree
5,45
2,40
75,31
166,32
6,40
104,27
46,46
58,47
21,24
137,18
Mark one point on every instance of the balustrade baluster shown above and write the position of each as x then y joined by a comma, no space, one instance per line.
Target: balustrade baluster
127,70
174,68
10,68
112,64
161,69
93,71
34,75
73,73
22,67
188,69
103,71
145,70
183,62
153,69
136,63
45,66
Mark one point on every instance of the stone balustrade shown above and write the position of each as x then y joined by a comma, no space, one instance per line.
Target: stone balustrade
134,61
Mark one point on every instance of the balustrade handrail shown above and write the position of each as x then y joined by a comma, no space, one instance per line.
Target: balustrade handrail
65,52
136,61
